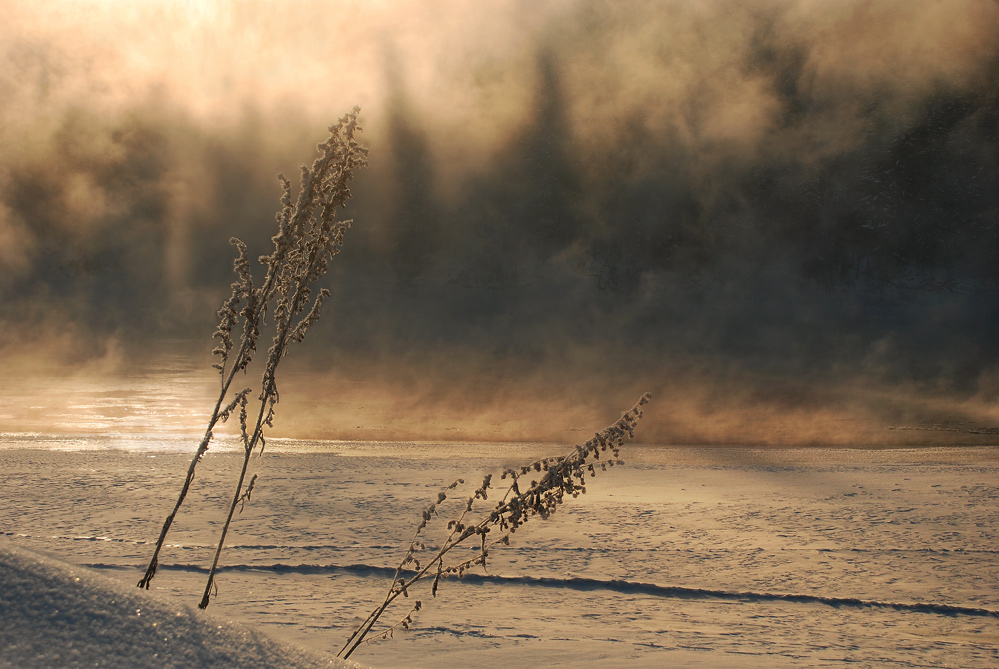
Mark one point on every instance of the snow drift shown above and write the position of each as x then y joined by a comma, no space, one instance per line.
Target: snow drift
57,615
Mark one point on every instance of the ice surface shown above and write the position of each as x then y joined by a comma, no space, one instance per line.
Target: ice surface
684,557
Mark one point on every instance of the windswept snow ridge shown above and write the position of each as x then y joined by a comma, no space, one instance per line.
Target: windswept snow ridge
610,585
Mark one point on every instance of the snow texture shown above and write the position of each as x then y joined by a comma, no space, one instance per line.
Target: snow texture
687,557
57,615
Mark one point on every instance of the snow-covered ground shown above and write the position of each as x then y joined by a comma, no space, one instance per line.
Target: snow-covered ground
683,557
57,615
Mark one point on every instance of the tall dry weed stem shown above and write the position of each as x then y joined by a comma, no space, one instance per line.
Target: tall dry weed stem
559,478
309,235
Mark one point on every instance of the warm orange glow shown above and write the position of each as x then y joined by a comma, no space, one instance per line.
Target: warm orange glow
200,97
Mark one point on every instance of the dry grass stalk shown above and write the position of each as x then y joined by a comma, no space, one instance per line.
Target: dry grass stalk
559,477
309,235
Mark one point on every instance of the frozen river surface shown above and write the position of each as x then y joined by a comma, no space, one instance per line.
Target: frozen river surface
683,557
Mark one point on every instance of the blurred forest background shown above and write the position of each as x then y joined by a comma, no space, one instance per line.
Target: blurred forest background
781,217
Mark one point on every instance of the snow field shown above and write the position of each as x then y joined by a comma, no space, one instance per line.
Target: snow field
682,557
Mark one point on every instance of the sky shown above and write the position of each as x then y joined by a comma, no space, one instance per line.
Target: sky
780,217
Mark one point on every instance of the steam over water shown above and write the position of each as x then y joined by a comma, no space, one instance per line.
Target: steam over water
779,217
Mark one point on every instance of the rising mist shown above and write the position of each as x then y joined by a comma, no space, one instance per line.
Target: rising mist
780,217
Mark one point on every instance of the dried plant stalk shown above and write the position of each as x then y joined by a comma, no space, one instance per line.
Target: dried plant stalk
560,476
309,235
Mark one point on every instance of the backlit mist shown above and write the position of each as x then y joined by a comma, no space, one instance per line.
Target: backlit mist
782,218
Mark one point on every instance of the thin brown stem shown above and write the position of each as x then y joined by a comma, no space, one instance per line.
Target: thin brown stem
199,454
225,529
237,495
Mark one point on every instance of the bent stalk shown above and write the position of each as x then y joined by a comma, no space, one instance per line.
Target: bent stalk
560,476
